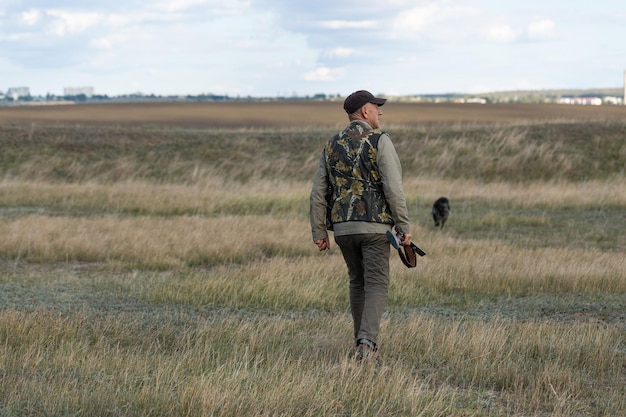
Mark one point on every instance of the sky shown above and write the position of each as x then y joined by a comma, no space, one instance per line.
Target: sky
290,48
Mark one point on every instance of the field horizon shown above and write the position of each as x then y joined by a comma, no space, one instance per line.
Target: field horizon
299,114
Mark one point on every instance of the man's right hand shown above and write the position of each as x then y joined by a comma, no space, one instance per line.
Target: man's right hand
323,244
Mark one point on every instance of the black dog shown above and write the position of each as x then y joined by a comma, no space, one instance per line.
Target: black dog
441,211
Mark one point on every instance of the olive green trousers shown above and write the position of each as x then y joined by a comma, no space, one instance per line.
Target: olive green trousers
367,259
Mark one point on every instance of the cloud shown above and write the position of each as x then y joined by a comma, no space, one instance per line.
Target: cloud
502,33
349,24
31,17
216,7
439,21
324,74
541,29
178,5
66,23
436,21
340,52
42,22
417,19
536,30
110,41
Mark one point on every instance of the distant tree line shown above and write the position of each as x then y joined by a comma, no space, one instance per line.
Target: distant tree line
539,96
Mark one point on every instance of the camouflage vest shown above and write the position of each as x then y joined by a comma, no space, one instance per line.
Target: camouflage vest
357,191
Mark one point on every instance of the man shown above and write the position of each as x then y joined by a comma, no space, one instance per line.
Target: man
359,180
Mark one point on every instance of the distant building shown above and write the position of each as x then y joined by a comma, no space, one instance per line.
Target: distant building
612,100
585,101
78,91
18,92
476,100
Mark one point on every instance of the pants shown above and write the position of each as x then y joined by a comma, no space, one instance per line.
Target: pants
367,258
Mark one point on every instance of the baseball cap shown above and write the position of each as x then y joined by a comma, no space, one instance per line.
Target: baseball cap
360,98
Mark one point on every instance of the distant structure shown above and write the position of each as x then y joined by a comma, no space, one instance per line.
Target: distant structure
586,101
624,100
18,92
78,91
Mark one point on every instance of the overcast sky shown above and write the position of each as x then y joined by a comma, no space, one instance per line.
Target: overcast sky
294,47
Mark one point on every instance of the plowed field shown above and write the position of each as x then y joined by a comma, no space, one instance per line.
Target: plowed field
293,114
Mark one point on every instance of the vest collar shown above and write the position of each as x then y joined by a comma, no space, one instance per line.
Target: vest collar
362,123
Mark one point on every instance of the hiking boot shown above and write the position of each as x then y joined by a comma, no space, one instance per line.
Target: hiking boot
367,351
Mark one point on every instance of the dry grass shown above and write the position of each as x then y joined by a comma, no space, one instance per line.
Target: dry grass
151,242
211,196
565,152
136,279
200,315
549,195
216,196
165,361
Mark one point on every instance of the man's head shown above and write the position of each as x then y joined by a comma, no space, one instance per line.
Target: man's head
363,105
360,98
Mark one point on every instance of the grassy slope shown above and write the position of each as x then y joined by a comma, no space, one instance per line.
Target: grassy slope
545,152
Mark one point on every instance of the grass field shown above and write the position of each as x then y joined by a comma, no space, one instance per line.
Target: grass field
156,260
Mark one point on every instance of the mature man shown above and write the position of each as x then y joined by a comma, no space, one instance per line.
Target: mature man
359,181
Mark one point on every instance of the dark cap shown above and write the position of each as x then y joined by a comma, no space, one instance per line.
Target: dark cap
359,99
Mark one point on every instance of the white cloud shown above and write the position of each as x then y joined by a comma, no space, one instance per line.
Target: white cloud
416,20
324,74
349,24
116,19
340,52
501,33
65,23
247,44
178,5
110,41
223,7
31,17
541,29
437,21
